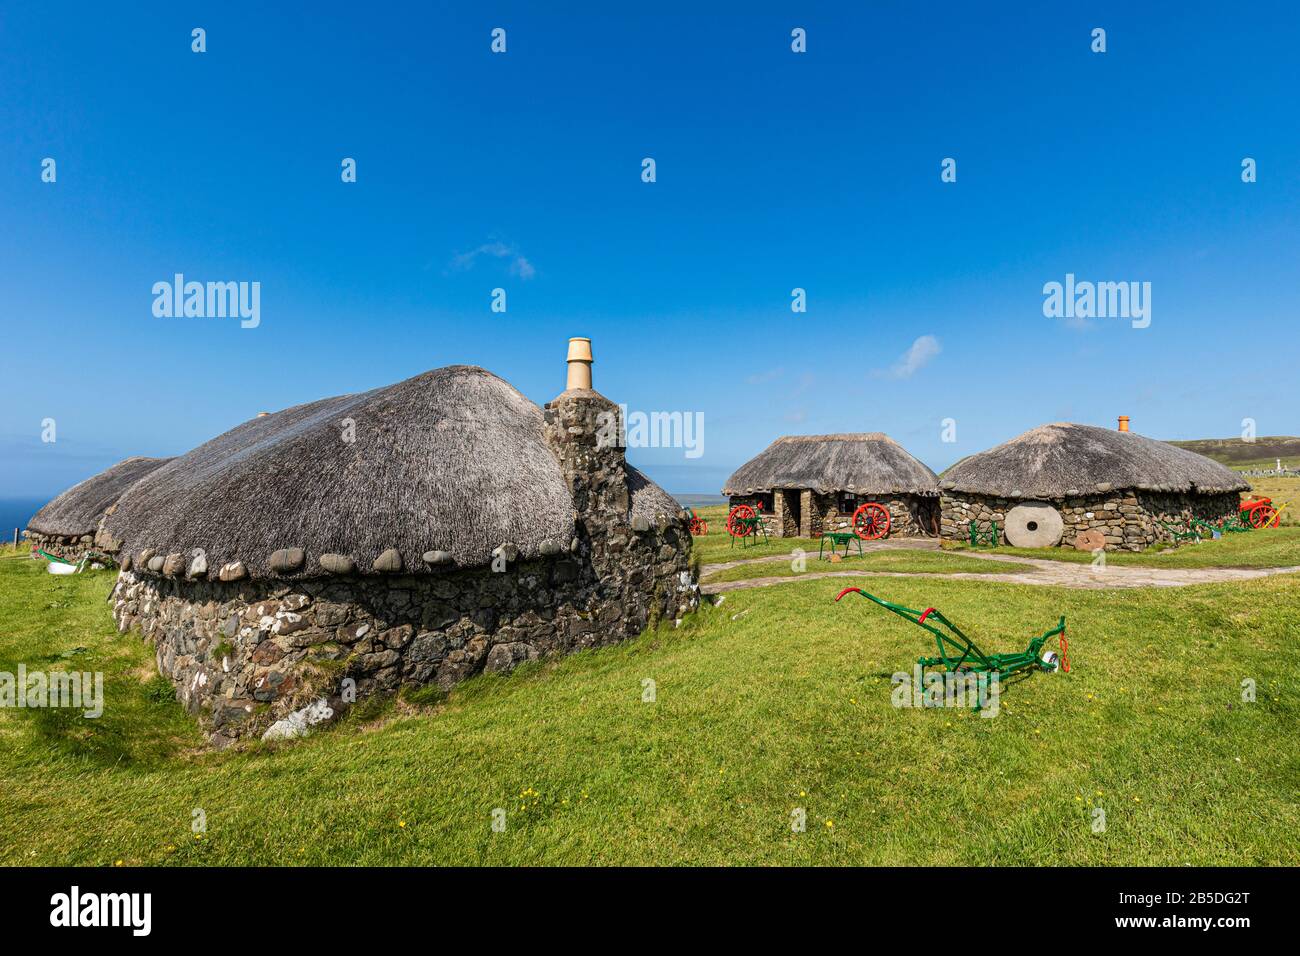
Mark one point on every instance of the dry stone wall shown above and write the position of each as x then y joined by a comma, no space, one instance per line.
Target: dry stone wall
69,546
246,654
910,516
1129,520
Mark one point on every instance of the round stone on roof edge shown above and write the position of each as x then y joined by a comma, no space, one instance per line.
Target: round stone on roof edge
337,563
389,561
234,571
287,560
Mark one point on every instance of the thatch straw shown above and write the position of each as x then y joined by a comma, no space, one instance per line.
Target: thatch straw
649,501
453,461
77,511
870,463
1065,460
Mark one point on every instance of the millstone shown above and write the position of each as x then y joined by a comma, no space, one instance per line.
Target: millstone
1034,524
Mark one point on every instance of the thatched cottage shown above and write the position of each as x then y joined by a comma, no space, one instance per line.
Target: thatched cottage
810,484
1055,482
66,526
420,532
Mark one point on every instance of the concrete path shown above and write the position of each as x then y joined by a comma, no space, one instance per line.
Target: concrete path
1040,571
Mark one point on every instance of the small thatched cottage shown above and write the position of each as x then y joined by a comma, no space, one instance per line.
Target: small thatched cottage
420,532
66,526
810,484
1055,482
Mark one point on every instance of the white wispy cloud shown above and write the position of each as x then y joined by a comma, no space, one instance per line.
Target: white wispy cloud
762,378
517,265
917,357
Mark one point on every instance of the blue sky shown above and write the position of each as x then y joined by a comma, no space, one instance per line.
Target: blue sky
775,170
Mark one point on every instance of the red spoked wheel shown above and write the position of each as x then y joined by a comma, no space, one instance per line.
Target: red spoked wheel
740,521
1262,516
871,521
699,527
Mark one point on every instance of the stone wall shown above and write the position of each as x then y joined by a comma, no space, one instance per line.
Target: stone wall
1129,520
910,516
69,546
249,653
246,654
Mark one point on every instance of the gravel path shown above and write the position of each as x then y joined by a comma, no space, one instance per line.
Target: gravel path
1036,571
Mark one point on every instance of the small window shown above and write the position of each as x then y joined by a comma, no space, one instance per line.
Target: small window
848,503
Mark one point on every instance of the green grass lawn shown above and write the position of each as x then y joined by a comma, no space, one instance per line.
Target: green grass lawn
777,699
1271,548
911,562
717,546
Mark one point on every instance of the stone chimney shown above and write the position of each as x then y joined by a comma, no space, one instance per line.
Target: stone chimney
585,430
1123,423
639,568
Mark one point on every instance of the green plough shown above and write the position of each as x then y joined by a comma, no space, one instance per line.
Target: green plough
957,652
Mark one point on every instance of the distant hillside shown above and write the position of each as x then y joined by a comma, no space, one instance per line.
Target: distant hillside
1235,453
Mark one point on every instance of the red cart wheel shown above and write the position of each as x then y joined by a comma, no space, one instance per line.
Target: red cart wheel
699,526
1262,516
740,521
871,521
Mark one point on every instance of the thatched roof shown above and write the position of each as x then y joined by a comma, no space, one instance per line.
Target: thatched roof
1065,461
452,460
649,501
77,511
870,463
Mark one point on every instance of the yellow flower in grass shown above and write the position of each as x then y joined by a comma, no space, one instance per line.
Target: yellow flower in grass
830,824
401,823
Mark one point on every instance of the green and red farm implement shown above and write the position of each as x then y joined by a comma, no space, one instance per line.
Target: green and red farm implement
1259,513
869,522
1254,514
697,525
744,522
959,654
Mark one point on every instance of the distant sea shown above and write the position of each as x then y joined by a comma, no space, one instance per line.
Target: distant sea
700,501
16,512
